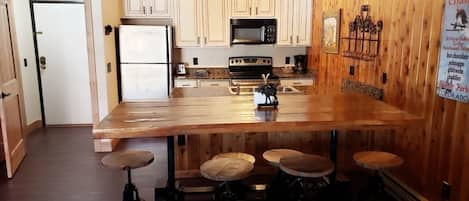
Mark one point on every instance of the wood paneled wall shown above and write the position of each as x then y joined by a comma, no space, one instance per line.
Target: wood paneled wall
439,149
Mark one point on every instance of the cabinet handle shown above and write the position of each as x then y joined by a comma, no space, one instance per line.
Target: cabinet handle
257,10
151,10
205,40
250,11
198,40
144,10
291,39
297,39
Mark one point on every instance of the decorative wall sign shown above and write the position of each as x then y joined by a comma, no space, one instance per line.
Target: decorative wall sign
453,75
363,41
331,32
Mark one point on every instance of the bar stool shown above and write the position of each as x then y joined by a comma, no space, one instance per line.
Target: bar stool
309,172
277,187
375,161
228,171
238,155
128,160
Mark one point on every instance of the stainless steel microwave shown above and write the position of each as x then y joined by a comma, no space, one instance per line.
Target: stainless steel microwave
253,31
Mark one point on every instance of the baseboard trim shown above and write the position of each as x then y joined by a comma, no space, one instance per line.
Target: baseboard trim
105,145
32,127
69,125
399,190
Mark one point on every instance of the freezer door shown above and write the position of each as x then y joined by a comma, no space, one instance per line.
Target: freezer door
144,82
143,44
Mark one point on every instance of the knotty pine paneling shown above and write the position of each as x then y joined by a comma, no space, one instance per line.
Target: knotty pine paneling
437,150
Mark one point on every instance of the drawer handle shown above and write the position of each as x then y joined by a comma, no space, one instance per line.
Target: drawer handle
297,83
186,85
214,85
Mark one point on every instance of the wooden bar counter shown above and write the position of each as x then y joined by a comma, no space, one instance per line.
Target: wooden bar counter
209,121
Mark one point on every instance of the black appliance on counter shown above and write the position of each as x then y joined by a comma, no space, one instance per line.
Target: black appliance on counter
248,70
301,62
253,31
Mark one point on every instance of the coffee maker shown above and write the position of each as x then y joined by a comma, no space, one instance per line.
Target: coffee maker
301,62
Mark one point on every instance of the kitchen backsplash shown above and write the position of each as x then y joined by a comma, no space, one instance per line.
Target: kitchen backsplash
218,57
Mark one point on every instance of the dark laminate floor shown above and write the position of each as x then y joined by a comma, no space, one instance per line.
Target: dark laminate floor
62,166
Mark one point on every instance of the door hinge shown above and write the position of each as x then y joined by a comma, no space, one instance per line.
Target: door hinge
4,95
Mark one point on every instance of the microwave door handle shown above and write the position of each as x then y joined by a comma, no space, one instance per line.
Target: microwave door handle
263,33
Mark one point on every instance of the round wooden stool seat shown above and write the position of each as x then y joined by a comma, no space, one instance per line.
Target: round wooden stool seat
226,169
307,166
376,160
128,159
237,155
273,156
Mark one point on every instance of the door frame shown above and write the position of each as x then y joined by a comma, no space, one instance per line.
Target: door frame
91,57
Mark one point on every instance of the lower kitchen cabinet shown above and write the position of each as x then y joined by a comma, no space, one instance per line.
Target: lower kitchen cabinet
183,83
296,82
214,83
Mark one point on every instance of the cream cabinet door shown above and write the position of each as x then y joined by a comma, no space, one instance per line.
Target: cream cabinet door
135,8
302,17
284,15
265,8
159,8
187,23
215,23
241,8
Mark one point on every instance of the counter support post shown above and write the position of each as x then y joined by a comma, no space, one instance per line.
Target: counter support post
171,185
168,193
333,154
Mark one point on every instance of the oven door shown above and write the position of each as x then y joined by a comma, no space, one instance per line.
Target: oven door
250,31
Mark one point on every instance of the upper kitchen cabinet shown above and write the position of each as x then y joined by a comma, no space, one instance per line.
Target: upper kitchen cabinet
294,22
265,8
201,23
252,8
216,23
147,8
187,23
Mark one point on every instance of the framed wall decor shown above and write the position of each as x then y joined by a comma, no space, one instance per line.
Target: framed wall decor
331,32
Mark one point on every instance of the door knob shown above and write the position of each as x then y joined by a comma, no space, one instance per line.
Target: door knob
4,95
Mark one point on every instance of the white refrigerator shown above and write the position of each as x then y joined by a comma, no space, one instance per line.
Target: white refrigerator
145,62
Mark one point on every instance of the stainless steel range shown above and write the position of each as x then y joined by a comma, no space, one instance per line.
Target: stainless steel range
249,70
246,75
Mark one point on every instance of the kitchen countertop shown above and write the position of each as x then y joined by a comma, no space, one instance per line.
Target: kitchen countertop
222,73
234,114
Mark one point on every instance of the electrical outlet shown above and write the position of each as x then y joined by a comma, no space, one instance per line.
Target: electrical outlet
25,62
181,140
109,67
352,70
287,60
445,191
384,78
195,61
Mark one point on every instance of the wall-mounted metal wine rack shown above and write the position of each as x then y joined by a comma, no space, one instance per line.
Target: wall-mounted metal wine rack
363,40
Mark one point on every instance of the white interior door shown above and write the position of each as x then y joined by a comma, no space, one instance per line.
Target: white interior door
62,47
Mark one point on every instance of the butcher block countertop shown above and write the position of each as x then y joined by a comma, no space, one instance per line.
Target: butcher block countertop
235,114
